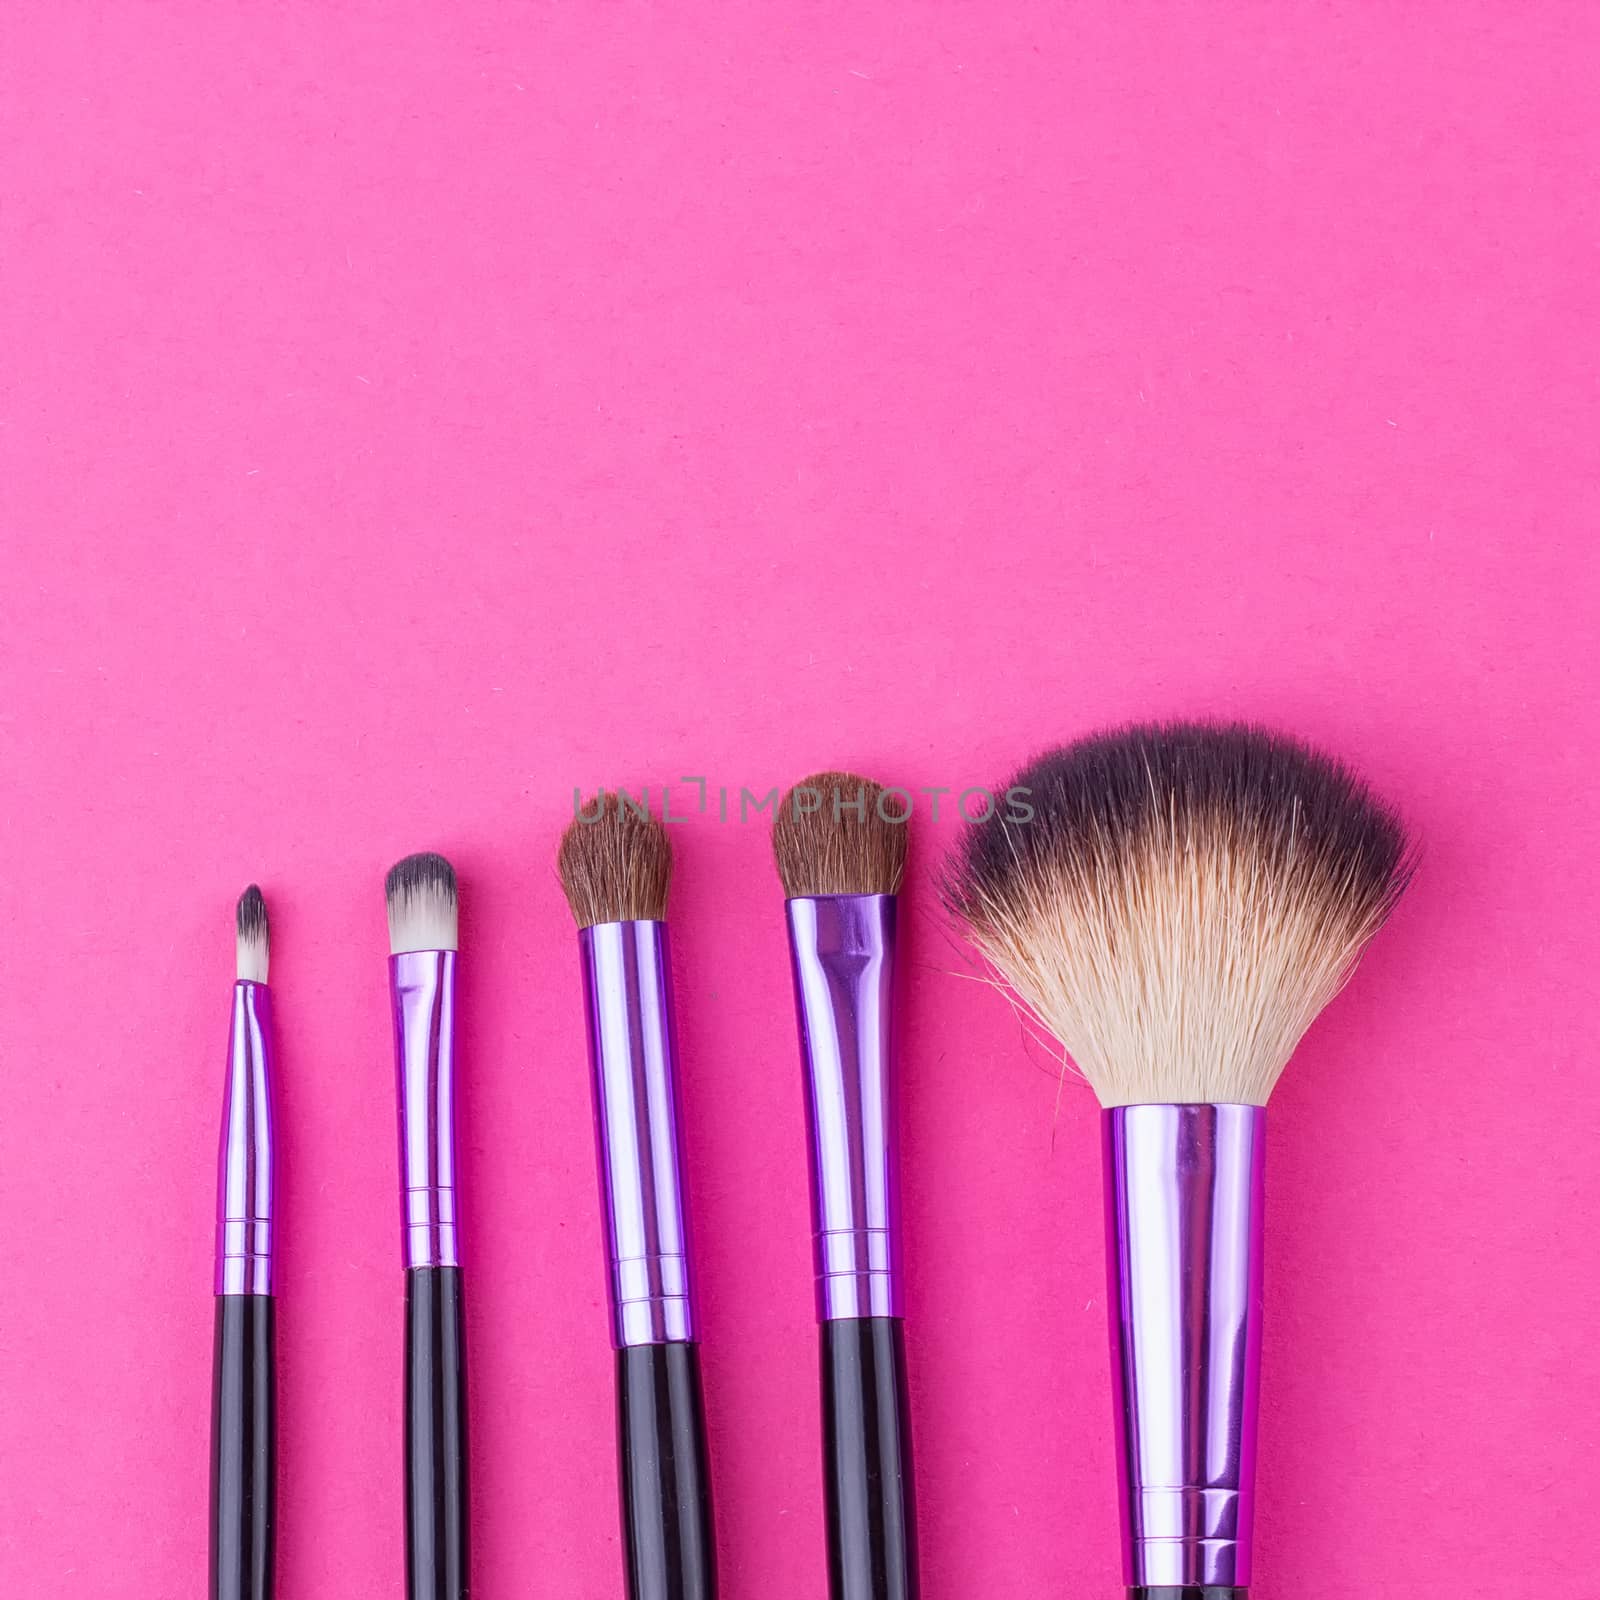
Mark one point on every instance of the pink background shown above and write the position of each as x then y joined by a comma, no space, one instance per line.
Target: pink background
411,411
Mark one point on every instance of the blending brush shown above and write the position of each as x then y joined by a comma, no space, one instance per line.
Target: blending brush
244,1380
421,897
615,865
841,853
1176,906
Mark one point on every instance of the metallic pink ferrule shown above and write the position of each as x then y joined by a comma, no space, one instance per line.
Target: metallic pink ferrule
422,993
245,1165
841,951
1183,1230
627,996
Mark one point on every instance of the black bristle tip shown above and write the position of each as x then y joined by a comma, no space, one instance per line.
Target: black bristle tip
424,871
250,920
1072,800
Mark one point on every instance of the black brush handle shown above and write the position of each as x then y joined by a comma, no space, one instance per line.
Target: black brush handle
1187,1591
244,1448
866,1461
436,1436
666,1485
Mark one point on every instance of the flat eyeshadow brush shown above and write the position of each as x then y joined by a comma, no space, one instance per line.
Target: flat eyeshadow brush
244,1398
1180,904
840,843
420,893
616,865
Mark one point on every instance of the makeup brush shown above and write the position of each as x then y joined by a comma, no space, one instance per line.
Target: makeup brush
244,1380
420,893
1176,906
616,865
840,843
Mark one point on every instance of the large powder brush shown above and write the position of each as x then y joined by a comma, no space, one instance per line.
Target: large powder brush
1176,903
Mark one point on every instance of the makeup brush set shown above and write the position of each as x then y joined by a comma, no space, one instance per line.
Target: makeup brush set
1175,903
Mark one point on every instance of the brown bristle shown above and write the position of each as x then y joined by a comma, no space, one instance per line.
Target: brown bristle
840,833
1177,902
615,862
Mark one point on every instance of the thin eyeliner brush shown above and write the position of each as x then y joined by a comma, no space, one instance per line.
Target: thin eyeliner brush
420,893
244,1379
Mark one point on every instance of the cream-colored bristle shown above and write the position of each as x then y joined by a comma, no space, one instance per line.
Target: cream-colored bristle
420,893
1182,904
251,945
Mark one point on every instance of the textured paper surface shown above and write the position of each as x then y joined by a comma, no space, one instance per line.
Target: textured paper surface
413,411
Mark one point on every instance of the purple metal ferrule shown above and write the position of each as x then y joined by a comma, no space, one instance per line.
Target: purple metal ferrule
422,993
842,954
1183,1230
245,1160
627,996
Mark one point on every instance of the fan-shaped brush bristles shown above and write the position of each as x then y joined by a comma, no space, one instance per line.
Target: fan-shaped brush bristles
250,936
615,863
831,837
1184,901
423,910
